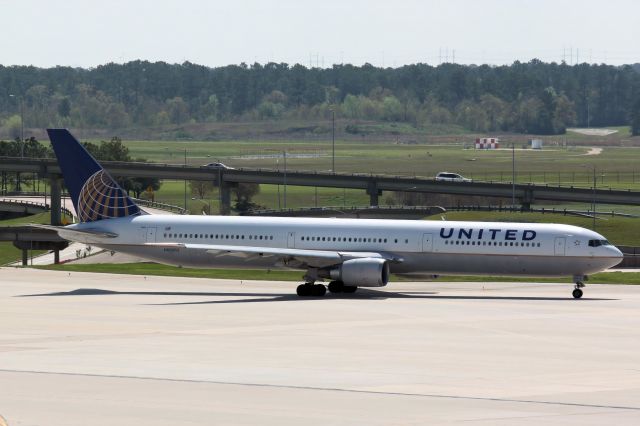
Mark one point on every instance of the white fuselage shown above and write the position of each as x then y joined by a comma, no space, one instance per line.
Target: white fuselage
423,247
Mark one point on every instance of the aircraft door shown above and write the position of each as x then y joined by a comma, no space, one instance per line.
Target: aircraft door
560,246
151,235
427,242
291,240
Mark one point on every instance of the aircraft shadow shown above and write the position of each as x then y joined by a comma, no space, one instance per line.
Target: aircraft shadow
363,294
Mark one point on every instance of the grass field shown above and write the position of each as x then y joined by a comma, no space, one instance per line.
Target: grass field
615,167
277,275
554,165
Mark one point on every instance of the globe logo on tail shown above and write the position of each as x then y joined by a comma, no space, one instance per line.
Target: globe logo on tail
102,198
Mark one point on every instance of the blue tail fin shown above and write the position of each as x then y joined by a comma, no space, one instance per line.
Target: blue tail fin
95,194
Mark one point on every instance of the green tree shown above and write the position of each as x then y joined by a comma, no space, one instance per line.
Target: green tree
13,126
244,193
178,110
495,110
635,119
211,108
471,116
201,188
268,109
392,109
564,115
64,107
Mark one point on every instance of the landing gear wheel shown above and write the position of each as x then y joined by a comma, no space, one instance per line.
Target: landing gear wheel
303,290
577,293
319,290
306,290
336,287
349,289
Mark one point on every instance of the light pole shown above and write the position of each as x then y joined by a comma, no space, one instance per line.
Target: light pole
594,197
333,139
513,175
284,155
185,181
593,200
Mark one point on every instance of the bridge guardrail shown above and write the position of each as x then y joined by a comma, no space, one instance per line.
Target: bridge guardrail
159,206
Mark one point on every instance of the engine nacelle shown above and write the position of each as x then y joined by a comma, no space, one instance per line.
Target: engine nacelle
365,272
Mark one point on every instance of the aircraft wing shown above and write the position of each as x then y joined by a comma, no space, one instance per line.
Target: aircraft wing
295,257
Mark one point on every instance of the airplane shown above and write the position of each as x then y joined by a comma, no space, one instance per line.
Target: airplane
350,253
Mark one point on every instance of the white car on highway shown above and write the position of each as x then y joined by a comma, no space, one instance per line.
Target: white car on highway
451,177
218,166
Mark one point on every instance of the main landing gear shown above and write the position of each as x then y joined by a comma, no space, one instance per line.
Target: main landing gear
318,290
577,291
310,289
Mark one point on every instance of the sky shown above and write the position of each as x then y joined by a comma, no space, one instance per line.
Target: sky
390,33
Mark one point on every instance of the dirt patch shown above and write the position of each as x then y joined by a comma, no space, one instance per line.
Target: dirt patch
594,151
593,132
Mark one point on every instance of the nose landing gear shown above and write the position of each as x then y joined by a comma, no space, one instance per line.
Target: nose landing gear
577,291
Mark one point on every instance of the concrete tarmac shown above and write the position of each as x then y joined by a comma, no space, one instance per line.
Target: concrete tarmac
100,349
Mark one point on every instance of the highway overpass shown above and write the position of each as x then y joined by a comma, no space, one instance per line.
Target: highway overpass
374,185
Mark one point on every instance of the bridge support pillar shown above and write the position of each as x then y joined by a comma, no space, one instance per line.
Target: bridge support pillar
56,200
25,257
56,257
527,200
225,198
373,193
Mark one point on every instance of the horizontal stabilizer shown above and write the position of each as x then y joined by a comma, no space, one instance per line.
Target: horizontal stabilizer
64,230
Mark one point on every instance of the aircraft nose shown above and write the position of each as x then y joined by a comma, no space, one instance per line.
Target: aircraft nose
617,253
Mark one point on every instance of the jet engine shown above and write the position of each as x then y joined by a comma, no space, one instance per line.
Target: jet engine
365,272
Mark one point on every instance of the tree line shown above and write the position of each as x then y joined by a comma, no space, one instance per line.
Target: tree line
532,97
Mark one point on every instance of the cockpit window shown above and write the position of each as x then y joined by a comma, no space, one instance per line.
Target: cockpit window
598,243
